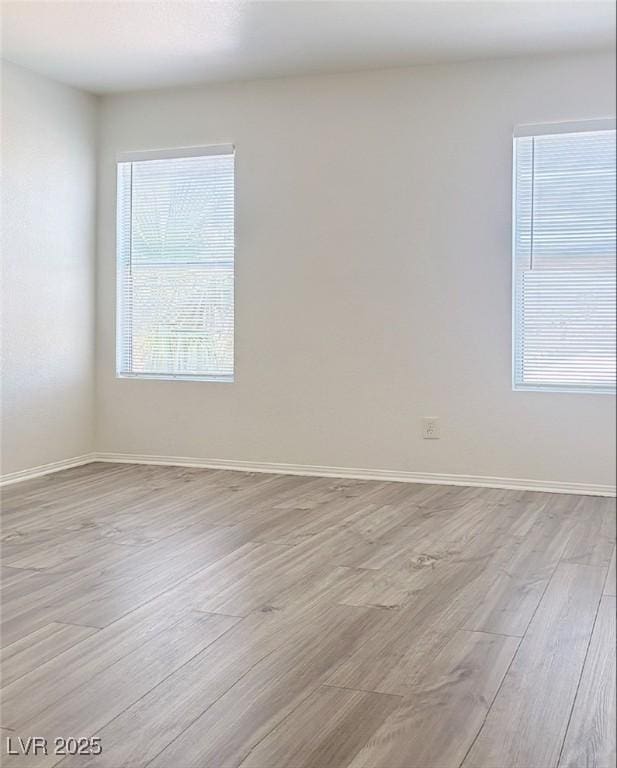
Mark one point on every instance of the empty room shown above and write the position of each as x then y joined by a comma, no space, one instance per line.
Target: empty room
308,384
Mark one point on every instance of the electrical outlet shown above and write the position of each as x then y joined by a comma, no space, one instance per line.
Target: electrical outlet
430,428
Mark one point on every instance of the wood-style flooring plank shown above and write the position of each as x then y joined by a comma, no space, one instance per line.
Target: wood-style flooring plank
593,535
106,592
523,568
35,649
527,722
106,694
438,720
227,731
58,677
610,586
590,739
209,618
11,576
392,660
142,731
328,729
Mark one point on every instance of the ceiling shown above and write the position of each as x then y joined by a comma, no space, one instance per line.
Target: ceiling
108,46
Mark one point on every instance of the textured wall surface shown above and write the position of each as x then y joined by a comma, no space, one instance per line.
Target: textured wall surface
48,218
373,274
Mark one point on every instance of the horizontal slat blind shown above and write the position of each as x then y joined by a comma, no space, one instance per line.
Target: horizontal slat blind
176,267
564,261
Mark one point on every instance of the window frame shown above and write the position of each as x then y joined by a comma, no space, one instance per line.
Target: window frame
546,129
167,154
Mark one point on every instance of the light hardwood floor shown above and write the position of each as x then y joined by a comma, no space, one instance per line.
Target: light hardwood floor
210,619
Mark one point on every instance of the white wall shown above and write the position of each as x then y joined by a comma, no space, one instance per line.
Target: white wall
48,220
373,274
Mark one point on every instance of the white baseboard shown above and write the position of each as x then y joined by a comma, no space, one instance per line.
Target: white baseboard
46,469
400,476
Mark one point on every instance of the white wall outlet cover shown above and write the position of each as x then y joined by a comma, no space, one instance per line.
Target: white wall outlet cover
430,428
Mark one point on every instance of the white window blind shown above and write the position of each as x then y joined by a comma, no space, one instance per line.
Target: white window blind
564,259
175,296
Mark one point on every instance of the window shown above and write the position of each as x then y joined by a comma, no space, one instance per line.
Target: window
175,250
564,257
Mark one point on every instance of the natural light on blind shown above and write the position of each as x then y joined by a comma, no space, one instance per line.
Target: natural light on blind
564,260
176,266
